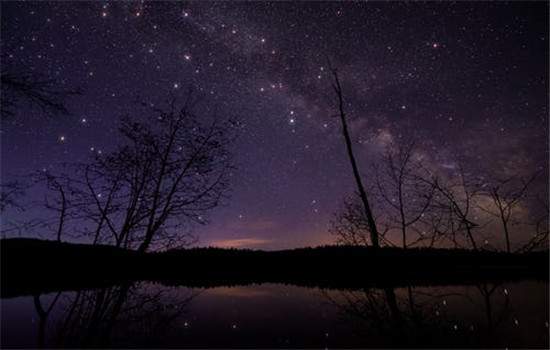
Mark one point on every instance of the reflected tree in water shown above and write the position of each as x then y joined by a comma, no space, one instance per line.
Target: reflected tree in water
139,314
420,317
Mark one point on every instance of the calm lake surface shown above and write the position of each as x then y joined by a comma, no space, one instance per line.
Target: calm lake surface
274,315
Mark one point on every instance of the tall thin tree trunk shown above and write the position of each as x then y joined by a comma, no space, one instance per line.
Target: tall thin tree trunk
506,231
362,193
62,213
145,244
471,237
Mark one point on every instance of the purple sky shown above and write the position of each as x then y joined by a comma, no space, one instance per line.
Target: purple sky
469,79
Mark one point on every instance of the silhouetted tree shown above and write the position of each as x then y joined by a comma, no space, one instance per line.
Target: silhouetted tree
506,195
541,226
59,201
407,197
456,197
170,169
403,197
11,202
10,192
30,88
373,230
350,225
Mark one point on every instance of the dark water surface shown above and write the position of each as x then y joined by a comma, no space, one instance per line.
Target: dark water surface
274,315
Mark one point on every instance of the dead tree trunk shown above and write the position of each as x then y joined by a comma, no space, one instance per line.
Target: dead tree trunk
62,213
362,193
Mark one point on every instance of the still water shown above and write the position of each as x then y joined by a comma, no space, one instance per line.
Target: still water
275,315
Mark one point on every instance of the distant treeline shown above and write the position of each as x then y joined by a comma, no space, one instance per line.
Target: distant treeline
32,266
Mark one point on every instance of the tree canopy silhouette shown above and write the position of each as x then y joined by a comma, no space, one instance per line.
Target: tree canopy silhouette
27,87
170,168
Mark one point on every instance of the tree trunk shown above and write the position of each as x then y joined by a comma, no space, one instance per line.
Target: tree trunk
62,213
471,237
362,193
145,244
506,235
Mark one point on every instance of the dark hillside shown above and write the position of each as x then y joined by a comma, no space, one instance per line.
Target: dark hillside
32,266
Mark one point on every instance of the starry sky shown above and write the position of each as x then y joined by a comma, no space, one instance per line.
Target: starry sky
468,79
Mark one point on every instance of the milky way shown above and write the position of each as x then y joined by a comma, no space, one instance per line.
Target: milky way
468,79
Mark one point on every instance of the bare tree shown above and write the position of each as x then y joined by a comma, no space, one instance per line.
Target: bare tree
10,193
407,197
11,202
506,195
29,87
59,202
373,230
541,227
170,169
350,226
457,197
403,197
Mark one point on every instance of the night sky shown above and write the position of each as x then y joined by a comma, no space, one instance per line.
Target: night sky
468,79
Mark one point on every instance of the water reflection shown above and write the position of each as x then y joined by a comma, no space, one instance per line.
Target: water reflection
275,315
116,316
417,317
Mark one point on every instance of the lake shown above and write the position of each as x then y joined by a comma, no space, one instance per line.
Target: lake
503,315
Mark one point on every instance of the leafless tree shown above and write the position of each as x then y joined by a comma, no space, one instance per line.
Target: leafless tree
506,195
170,169
349,224
12,202
404,193
457,196
541,227
10,193
403,197
373,230
58,202
26,87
